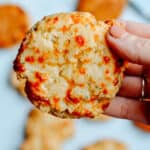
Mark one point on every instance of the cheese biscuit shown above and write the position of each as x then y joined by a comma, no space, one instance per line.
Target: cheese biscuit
40,143
14,23
68,67
45,132
102,9
40,123
106,145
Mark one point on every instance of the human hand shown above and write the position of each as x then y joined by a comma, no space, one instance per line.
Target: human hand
133,45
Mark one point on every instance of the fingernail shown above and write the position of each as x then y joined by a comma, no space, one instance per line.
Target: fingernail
117,32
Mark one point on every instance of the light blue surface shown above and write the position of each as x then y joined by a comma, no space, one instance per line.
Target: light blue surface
14,109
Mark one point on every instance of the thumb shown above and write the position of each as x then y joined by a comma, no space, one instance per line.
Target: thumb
128,46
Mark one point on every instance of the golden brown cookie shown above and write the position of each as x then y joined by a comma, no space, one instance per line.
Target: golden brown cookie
142,126
106,145
102,9
40,123
14,23
45,132
41,143
19,85
68,66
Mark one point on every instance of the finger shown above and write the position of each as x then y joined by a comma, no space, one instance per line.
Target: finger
138,29
131,87
134,69
128,46
128,109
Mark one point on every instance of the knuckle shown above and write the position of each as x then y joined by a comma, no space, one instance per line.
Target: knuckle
142,46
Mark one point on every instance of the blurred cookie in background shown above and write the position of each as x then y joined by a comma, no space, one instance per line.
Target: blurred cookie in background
40,123
106,145
45,132
142,126
14,23
19,85
41,143
102,9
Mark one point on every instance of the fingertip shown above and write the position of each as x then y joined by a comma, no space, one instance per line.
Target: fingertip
112,42
116,45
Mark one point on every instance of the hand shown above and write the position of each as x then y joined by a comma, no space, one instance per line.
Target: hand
132,44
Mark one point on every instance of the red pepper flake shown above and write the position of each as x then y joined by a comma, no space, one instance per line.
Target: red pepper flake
76,113
39,77
102,85
82,70
64,29
75,100
55,20
44,102
81,85
106,59
66,51
72,82
56,100
36,86
93,98
105,91
69,98
21,68
89,114
36,50
29,59
115,82
75,18
56,51
105,105
80,40
41,59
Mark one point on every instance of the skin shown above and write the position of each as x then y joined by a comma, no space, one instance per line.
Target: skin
131,44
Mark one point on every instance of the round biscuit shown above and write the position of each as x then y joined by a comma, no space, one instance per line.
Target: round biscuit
14,23
41,143
43,124
68,66
106,145
102,9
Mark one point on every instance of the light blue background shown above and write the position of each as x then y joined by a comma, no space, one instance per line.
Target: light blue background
14,109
